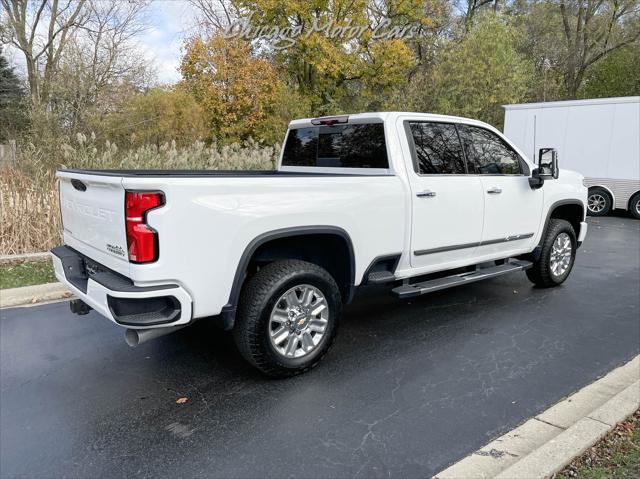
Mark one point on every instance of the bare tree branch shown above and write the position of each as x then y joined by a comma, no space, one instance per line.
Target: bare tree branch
592,30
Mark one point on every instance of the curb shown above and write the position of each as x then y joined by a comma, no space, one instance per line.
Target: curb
24,258
32,294
546,443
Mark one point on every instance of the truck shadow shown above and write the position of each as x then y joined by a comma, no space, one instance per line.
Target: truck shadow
373,329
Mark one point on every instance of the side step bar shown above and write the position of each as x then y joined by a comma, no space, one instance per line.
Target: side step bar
416,289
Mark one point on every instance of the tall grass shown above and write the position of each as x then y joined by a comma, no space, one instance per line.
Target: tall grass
30,213
29,208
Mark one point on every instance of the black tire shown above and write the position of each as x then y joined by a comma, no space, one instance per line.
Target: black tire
634,206
599,202
258,299
541,273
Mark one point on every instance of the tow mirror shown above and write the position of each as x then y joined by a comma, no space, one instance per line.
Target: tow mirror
547,168
548,163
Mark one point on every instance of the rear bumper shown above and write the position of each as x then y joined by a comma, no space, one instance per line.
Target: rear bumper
116,297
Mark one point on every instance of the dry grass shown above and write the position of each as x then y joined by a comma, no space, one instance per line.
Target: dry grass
30,215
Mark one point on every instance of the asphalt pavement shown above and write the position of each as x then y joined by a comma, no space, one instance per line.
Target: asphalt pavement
409,387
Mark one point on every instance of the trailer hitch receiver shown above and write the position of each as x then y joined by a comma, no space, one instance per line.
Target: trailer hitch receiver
79,307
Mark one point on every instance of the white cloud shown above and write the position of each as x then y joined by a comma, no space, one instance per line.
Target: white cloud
170,21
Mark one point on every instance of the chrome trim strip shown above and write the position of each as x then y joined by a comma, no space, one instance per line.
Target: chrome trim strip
442,249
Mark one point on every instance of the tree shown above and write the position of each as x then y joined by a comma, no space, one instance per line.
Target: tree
12,111
566,38
236,89
592,30
616,75
155,117
216,15
474,76
101,64
97,34
539,26
471,8
110,51
41,31
335,62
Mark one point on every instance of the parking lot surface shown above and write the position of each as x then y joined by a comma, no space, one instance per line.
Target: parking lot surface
409,387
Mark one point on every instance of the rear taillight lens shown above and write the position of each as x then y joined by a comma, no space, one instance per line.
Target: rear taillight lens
142,239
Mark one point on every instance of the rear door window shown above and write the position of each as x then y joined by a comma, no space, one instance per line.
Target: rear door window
437,149
337,146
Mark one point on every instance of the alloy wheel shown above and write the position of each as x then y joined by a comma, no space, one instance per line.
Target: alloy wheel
298,321
596,203
561,252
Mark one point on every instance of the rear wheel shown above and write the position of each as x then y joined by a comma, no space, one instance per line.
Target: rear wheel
287,317
634,206
557,256
599,202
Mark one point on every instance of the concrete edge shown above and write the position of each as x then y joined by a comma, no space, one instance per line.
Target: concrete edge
32,294
553,456
24,258
547,442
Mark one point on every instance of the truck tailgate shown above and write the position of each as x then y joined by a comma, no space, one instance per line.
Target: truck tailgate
92,209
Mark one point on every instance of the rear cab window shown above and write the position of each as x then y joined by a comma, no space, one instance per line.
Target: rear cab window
437,149
342,146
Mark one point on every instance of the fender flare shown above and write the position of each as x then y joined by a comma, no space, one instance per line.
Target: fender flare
535,254
228,312
562,203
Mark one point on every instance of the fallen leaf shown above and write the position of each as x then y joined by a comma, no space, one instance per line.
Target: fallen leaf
181,400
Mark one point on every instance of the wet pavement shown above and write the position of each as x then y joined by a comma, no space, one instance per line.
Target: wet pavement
409,387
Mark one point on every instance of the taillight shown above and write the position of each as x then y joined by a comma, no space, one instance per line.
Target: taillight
142,239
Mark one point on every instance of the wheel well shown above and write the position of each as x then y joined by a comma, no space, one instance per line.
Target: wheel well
613,198
573,213
331,251
631,199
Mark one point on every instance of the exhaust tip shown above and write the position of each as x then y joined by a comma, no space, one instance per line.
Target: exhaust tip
131,337
134,337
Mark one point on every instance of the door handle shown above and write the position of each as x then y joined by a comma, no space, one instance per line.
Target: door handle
426,194
494,191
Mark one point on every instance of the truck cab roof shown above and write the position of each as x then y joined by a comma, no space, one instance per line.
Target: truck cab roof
384,116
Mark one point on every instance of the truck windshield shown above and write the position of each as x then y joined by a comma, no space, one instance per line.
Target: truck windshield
338,146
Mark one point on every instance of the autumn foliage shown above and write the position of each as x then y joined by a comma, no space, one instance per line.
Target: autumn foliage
237,90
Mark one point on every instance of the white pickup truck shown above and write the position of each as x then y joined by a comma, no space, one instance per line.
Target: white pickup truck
422,202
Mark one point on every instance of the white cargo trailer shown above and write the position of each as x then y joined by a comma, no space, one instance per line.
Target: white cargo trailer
599,138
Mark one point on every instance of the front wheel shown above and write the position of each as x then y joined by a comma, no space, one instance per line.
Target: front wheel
557,256
287,317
